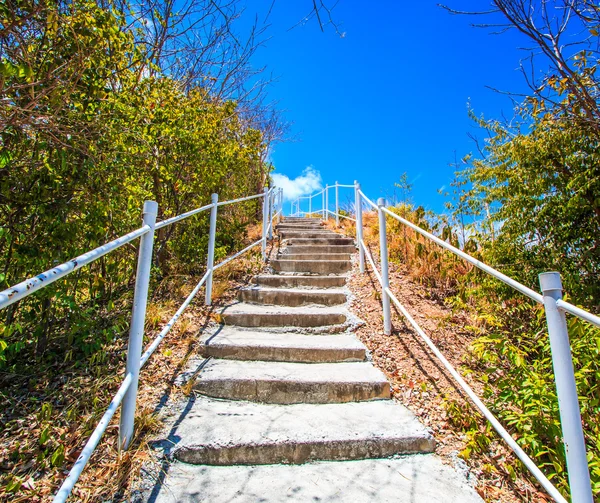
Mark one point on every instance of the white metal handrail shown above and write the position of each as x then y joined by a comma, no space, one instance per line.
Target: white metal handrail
241,252
127,392
167,328
340,215
522,455
506,436
555,307
371,261
477,263
577,311
367,200
324,210
178,218
31,285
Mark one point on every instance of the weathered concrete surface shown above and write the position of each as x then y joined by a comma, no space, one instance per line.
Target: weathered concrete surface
312,266
235,344
254,315
307,234
408,479
320,241
287,383
314,256
284,226
307,401
319,249
292,296
219,432
299,281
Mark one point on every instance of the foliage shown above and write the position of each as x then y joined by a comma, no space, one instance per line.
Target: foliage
544,185
535,195
90,127
84,142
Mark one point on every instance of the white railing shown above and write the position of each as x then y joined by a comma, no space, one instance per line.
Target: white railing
127,393
324,210
555,308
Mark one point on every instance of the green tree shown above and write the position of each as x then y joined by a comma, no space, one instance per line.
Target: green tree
544,185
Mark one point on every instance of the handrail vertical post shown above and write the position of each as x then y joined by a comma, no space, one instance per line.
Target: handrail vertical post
359,225
211,249
566,389
271,204
279,204
385,275
326,202
310,205
337,205
323,203
265,223
136,328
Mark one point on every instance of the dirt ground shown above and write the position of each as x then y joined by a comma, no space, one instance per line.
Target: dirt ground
422,384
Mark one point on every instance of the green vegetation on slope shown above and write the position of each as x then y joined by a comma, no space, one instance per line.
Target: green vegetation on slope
102,106
88,133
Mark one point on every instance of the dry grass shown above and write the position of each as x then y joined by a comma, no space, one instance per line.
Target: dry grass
66,408
420,382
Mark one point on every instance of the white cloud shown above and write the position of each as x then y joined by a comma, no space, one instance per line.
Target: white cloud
307,183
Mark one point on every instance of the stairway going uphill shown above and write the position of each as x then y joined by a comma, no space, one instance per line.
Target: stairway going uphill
288,407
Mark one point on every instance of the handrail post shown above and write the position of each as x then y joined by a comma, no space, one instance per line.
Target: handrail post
264,224
337,205
385,276
326,202
211,249
323,204
271,204
310,204
566,390
359,225
138,319
279,204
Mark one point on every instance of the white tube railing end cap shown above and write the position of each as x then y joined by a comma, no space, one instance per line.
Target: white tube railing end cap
151,207
550,281
381,201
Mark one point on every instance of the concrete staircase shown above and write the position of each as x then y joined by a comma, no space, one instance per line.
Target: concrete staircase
288,406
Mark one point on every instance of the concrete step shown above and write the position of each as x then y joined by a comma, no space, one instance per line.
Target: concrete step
230,433
255,315
299,281
308,234
319,249
312,222
423,478
235,344
298,228
310,226
289,383
312,266
302,219
314,256
320,241
292,297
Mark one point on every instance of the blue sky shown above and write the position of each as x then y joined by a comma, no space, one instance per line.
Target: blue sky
390,96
